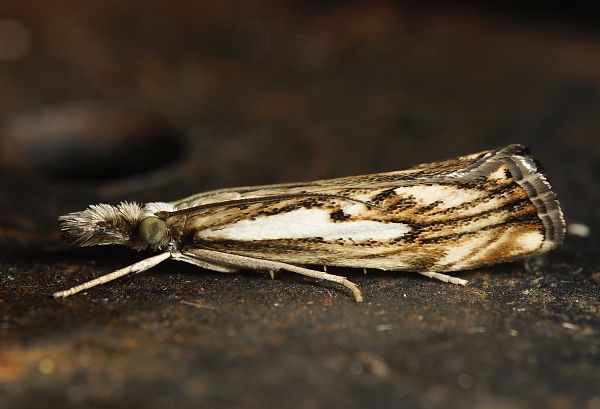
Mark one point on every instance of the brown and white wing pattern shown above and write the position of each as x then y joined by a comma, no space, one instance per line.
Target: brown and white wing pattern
452,215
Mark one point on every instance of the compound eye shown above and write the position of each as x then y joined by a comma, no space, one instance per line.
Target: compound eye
152,230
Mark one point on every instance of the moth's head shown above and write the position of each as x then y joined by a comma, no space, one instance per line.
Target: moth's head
130,224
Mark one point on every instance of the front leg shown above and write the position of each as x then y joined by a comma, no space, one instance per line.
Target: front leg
235,261
138,267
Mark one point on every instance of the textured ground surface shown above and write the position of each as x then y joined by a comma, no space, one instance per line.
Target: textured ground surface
112,102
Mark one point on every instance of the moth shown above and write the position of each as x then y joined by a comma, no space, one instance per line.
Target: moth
457,214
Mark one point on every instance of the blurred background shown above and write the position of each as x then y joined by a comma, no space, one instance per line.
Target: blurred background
106,101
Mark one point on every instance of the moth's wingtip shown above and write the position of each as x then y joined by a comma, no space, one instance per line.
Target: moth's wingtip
516,149
527,172
509,152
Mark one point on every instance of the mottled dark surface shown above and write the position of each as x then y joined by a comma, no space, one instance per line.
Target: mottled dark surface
112,101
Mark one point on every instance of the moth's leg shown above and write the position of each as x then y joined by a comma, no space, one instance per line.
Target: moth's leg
250,263
134,268
444,277
203,264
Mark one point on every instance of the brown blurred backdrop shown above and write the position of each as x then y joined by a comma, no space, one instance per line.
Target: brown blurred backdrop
105,101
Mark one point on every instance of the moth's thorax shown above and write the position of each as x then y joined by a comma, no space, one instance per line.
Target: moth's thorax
104,224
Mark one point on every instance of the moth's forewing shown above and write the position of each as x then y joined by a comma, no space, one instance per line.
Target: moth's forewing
452,215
